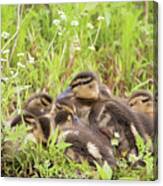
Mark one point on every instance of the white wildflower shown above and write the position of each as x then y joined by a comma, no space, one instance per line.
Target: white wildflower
3,60
5,51
56,22
90,26
19,64
5,35
4,79
31,59
60,33
100,18
20,54
12,72
74,23
91,48
60,12
63,17
116,135
15,75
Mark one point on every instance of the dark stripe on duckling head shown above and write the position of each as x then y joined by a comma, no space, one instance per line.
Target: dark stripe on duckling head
46,101
83,78
85,75
26,117
80,82
141,93
41,96
45,126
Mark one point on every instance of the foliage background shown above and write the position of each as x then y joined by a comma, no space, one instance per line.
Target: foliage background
44,46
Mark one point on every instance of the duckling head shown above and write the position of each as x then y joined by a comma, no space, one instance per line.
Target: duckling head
142,101
38,127
66,113
85,85
38,103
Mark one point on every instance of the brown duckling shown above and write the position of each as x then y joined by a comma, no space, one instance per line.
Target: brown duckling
41,127
143,104
84,90
38,104
86,143
142,101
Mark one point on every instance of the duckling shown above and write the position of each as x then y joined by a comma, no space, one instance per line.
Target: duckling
84,90
113,116
142,101
41,127
38,104
143,105
86,143
66,113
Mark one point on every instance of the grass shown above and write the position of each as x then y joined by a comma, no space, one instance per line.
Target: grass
44,46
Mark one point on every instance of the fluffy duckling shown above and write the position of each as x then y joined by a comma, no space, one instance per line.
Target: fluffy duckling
143,104
38,104
113,116
85,90
86,143
40,127
142,101
89,97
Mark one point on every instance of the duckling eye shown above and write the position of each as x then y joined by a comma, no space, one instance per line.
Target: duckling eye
131,104
90,86
145,100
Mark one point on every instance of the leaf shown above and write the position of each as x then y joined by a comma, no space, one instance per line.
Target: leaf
53,139
105,172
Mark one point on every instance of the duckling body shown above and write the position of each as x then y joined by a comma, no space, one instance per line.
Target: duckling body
85,90
35,114
86,143
89,145
41,127
142,103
